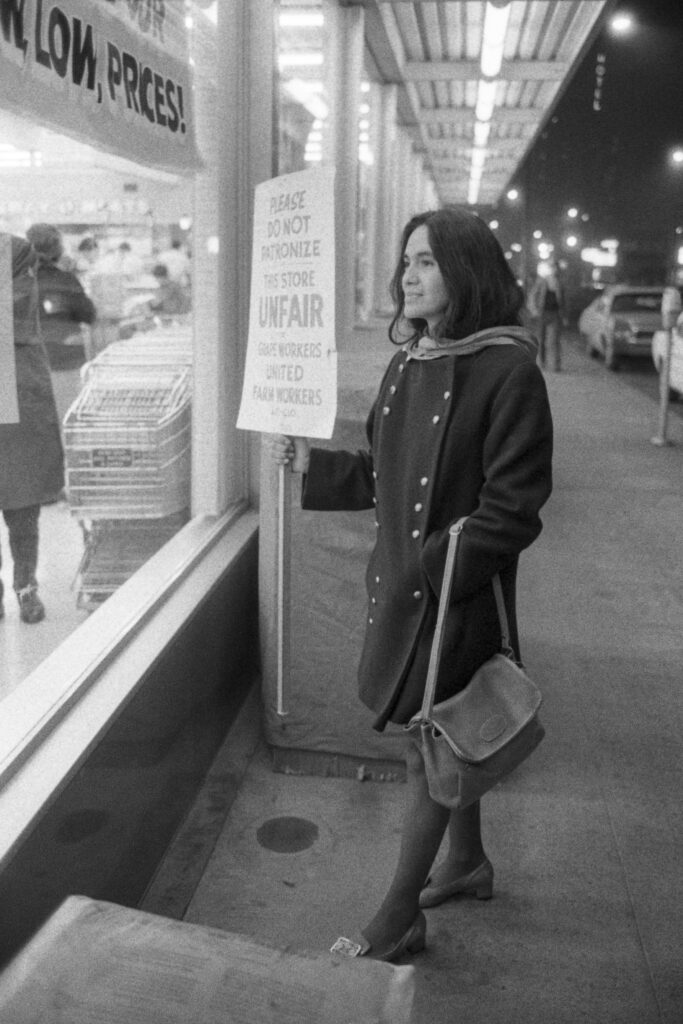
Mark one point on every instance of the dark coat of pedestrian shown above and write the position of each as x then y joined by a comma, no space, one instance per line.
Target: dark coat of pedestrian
461,427
63,303
31,455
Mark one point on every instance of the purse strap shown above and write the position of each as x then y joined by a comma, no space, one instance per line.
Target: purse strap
444,600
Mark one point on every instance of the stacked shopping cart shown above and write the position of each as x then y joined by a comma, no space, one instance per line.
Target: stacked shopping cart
127,440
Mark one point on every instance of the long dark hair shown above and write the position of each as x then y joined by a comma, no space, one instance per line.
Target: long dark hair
481,287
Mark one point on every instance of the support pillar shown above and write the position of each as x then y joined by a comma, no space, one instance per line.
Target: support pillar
385,250
237,148
344,66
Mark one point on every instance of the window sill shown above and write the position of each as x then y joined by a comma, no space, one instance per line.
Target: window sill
55,717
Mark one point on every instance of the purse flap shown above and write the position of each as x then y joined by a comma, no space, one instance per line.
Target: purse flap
496,704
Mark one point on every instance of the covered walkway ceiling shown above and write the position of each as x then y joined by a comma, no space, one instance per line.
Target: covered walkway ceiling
478,80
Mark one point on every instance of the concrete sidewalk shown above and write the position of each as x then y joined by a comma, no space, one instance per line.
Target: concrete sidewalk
585,838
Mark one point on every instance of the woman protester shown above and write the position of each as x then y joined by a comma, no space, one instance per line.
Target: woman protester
31,457
461,427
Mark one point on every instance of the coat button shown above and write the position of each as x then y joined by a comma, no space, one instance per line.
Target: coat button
376,525
435,419
418,506
424,481
400,367
415,533
374,474
371,620
386,410
374,501
417,594
392,389
376,579
446,395
374,600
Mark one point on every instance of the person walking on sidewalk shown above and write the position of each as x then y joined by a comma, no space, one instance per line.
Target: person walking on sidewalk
461,427
31,457
547,307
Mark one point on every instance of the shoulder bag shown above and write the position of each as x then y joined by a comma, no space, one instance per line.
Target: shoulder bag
474,739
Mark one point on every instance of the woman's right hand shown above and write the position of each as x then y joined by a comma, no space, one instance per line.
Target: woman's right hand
290,451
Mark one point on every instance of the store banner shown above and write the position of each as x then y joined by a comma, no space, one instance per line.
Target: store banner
113,74
9,407
290,381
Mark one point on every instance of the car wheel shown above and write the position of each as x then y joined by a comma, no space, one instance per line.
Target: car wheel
611,360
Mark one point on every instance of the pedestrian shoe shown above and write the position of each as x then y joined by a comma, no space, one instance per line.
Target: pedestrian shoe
414,941
477,883
31,608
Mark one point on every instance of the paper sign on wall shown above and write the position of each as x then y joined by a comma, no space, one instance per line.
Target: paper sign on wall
290,380
115,75
9,408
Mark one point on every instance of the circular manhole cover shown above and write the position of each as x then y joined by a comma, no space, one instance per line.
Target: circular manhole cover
287,835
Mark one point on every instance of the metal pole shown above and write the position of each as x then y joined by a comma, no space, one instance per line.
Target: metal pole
671,307
281,490
660,439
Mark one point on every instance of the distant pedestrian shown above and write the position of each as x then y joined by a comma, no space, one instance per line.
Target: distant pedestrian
461,427
171,299
546,304
63,303
31,457
177,262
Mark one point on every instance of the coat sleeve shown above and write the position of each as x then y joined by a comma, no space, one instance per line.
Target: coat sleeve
516,462
339,481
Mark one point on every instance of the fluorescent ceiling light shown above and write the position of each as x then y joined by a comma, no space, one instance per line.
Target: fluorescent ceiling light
486,100
300,59
495,28
482,130
301,19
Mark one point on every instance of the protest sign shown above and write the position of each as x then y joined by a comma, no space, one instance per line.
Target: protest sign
290,381
9,408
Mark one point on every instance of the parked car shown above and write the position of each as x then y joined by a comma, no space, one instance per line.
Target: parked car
659,343
621,322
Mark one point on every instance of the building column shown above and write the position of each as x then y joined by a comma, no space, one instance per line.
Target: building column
237,147
344,66
385,249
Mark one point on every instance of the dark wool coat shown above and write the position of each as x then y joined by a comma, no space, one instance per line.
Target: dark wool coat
465,435
31,458
63,307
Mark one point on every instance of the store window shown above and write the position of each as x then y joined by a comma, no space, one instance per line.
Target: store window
306,69
106,176
303,99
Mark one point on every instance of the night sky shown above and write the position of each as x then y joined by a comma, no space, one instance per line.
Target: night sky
614,164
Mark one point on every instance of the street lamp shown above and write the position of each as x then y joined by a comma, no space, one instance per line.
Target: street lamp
622,24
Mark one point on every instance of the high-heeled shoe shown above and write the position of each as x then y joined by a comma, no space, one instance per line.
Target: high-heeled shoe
412,942
477,883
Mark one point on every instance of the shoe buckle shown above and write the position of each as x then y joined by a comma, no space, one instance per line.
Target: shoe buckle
346,947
